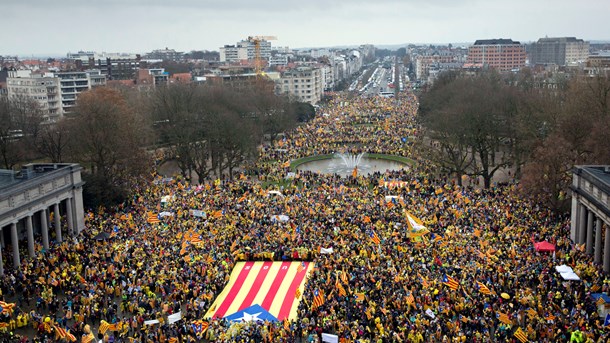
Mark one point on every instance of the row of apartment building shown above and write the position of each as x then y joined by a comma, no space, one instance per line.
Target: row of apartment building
55,92
504,55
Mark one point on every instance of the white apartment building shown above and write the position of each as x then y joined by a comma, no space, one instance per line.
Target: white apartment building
73,83
233,53
304,83
85,56
44,89
278,60
56,93
328,77
244,50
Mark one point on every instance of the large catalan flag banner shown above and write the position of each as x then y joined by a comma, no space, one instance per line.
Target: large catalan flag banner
262,290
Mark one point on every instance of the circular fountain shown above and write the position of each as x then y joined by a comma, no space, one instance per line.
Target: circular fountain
345,164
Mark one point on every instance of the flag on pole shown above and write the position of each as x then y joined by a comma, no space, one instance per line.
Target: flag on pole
318,299
482,288
59,332
368,313
104,325
410,299
503,317
450,282
600,301
423,280
297,293
532,313
6,307
521,336
340,289
200,327
153,218
374,238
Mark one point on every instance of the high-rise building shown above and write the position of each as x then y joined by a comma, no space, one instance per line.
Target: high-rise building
43,89
500,54
233,53
72,83
244,50
114,66
305,83
562,51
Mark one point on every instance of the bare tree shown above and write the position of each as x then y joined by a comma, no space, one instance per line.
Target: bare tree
53,140
107,140
20,120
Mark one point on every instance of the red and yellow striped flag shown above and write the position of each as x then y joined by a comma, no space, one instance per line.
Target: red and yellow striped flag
600,301
104,326
532,313
340,289
521,336
153,218
374,238
503,317
450,282
410,299
318,299
483,289
87,339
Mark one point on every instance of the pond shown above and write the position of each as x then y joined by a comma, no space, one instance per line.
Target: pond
344,165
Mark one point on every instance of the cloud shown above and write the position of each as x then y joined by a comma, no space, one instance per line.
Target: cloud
142,25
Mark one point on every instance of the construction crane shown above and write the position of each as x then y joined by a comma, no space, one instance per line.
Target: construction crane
258,62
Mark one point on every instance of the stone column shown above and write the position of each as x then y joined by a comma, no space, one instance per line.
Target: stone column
607,250
15,240
574,218
582,224
2,240
30,232
79,211
589,247
57,222
44,230
69,216
598,241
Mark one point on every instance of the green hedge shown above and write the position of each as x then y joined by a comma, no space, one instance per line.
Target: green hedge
395,158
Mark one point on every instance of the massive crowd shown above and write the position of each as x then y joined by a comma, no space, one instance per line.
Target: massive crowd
142,270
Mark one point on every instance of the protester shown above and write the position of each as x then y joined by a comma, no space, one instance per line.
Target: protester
153,267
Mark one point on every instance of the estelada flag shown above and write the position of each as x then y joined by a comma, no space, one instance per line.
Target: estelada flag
521,336
272,285
450,282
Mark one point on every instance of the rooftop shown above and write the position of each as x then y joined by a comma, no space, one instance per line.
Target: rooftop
11,178
601,173
499,41
560,39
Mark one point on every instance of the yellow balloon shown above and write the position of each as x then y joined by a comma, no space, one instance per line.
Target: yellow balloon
47,319
505,296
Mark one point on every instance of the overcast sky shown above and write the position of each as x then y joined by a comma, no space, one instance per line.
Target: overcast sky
39,27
